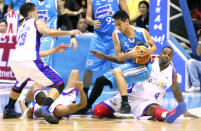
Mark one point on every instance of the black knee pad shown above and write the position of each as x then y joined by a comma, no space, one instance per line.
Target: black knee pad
103,81
60,87
19,89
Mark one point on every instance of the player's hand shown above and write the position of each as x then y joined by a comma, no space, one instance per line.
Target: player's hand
188,114
136,53
97,54
96,24
62,48
73,42
74,32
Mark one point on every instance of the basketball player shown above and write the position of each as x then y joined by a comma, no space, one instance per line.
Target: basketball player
65,104
145,97
99,14
27,64
48,11
125,38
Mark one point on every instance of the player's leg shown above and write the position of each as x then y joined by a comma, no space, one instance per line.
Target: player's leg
9,111
162,114
87,80
65,108
93,63
30,93
46,76
122,86
96,92
108,107
21,82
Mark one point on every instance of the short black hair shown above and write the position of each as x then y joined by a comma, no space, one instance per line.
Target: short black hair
3,20
122,15
144,2
26,8
40,98
169,48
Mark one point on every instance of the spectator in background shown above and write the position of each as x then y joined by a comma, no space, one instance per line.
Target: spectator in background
72,13
3,26
194,68
83,26
143,19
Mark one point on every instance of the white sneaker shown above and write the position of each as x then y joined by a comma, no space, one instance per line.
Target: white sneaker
193,89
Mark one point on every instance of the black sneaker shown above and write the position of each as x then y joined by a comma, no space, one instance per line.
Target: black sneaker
11,113
124,110
44,113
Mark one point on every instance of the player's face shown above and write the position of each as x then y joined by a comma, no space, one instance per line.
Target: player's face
3,27
34,14
143,9
165,56
82,25
121,25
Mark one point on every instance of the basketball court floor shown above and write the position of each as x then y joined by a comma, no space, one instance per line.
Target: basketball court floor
89,123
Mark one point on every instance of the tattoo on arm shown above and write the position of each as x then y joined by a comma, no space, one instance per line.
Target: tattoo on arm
60,7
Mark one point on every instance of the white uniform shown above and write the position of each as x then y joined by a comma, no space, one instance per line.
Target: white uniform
143,94
26,62
67,97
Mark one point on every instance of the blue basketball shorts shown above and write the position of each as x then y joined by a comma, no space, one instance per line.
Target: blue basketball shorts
104,44
132,72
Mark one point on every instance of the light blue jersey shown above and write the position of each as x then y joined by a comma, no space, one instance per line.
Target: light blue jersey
104,10
127,44
17,4
132,72
47,11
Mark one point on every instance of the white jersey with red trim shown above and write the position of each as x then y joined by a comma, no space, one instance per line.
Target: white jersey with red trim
155,86
143,94
28,42
67,97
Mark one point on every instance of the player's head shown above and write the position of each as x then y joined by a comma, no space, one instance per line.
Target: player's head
3,26
143,7
122,20
82,25
166,55
29,10
40,97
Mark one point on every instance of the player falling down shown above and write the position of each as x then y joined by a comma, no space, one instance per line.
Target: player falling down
27,64
125,38
64,105
145,97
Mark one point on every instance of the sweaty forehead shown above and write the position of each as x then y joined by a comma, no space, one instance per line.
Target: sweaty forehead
167,50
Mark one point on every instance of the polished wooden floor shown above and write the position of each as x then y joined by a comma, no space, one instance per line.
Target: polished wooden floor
95,124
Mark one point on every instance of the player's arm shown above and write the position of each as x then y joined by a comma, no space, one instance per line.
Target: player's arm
178,95
43,29
102,56
120,56
60,48
27,1
89,15
123,6
151,45
62,10
175,89
27,111
198,49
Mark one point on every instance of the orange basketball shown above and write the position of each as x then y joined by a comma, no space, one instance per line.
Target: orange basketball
141,60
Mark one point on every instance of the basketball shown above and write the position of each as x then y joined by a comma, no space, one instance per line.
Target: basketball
141,60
